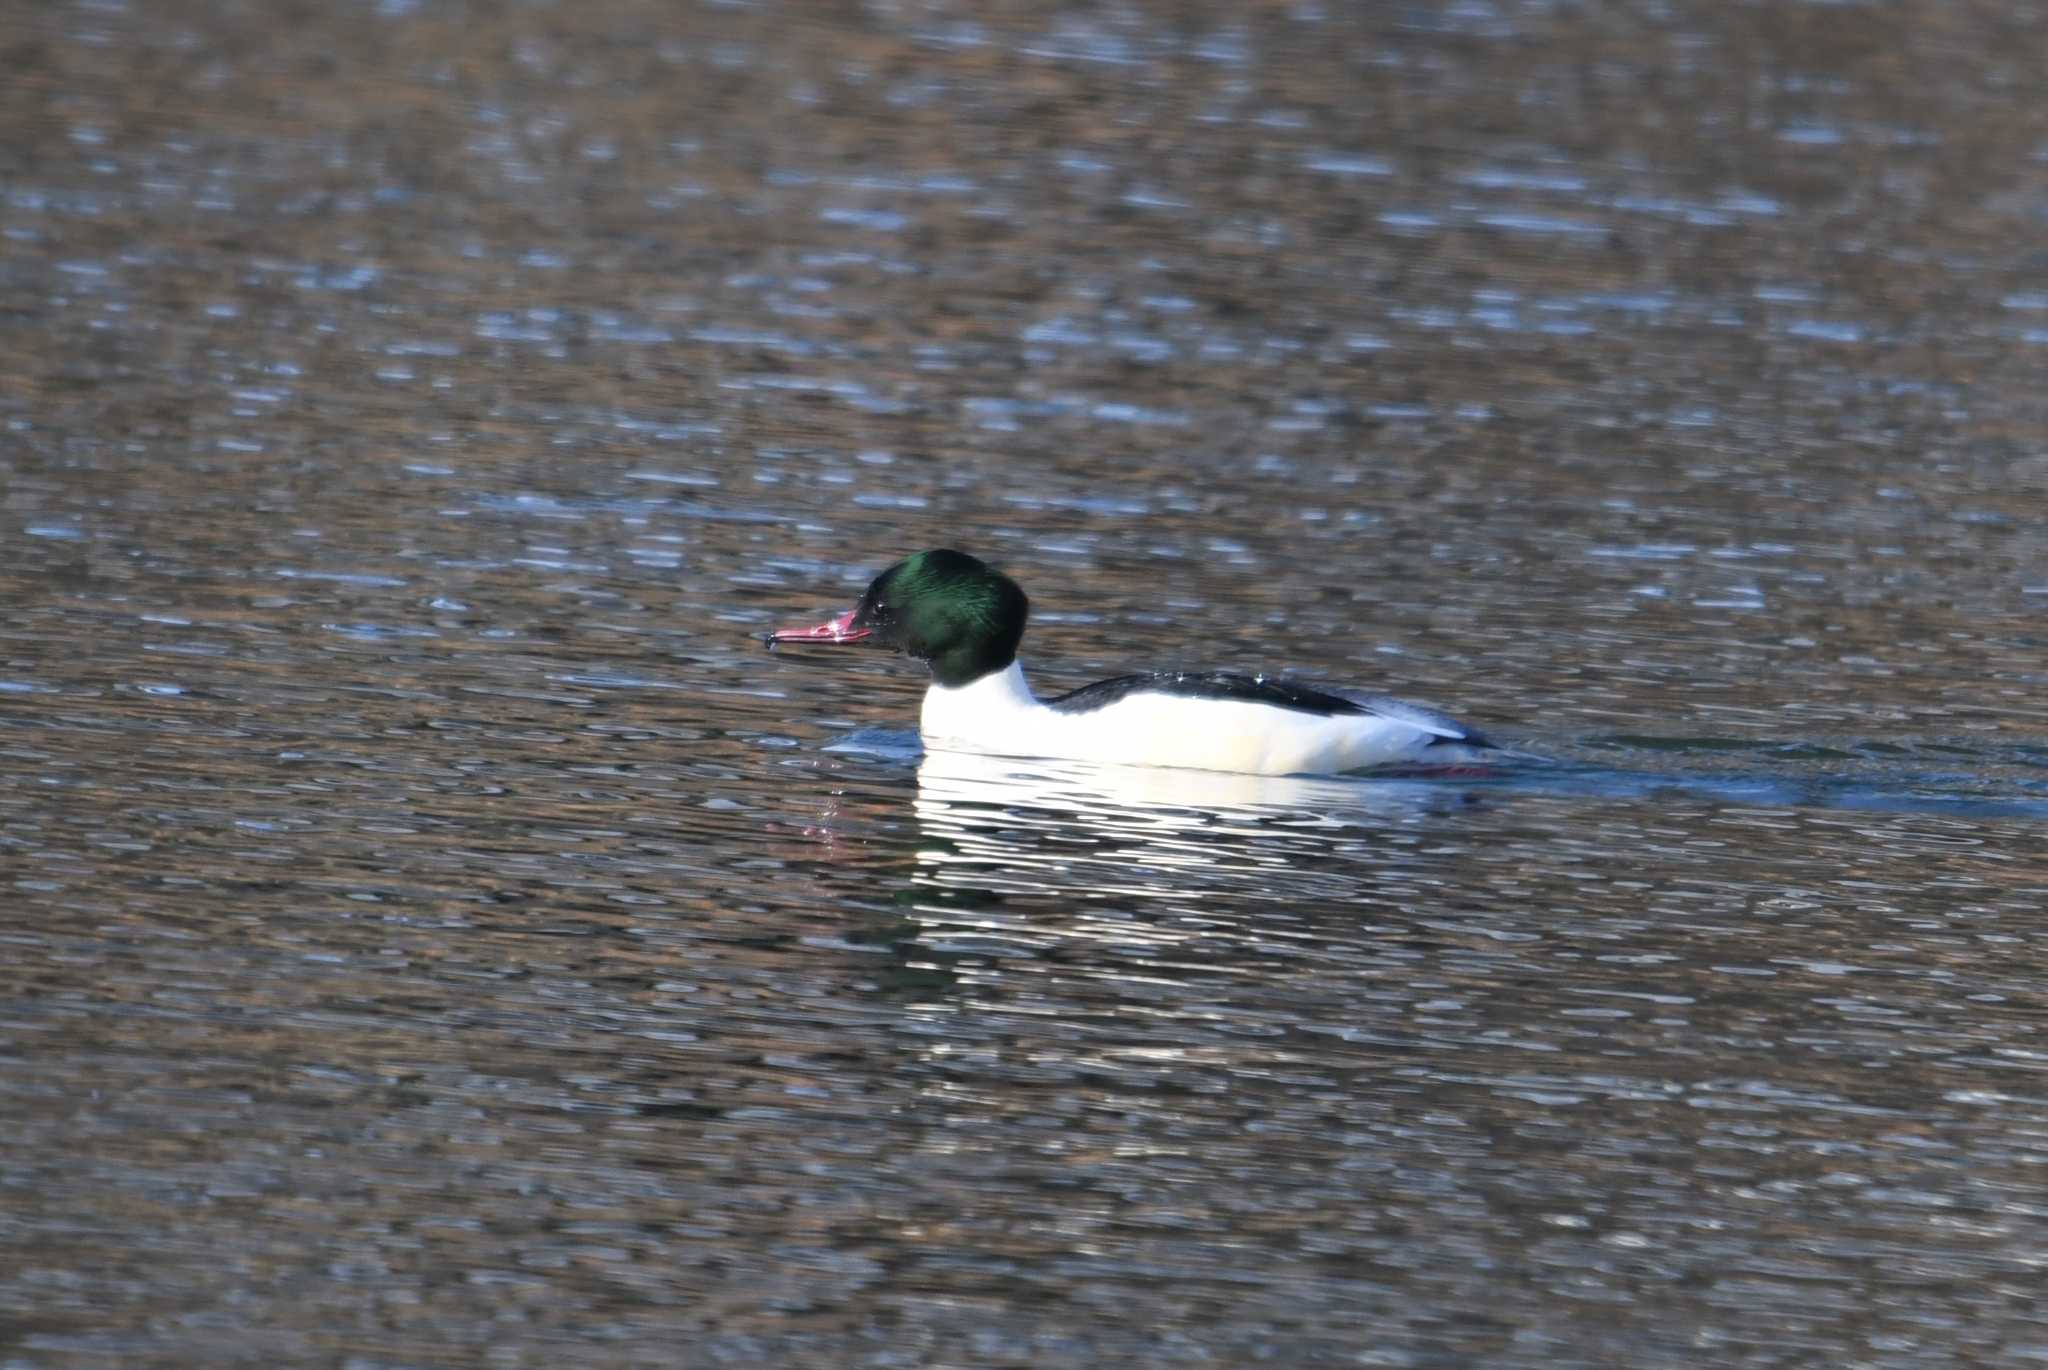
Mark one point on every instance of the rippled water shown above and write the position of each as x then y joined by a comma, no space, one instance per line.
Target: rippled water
438,935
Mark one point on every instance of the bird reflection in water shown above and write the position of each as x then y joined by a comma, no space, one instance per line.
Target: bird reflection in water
1144,871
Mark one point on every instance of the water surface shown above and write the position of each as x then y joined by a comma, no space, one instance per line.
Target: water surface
438,935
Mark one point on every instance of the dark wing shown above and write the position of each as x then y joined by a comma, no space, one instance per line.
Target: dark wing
1277,691
1442,726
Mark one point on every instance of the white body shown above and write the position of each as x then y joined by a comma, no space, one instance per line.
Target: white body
998,715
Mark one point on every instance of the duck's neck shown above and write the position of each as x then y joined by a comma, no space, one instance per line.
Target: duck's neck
982,709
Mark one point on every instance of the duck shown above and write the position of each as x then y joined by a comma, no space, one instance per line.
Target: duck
965,621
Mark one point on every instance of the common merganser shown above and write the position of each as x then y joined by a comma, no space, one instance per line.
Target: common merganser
964,619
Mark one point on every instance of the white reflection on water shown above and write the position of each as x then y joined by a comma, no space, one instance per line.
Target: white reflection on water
1089,831
1163,797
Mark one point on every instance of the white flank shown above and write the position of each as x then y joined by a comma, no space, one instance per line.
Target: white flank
998,715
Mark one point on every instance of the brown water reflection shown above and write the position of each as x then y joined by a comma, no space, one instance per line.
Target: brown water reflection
438,935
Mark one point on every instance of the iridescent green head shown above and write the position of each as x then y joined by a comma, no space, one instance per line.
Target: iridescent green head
959,615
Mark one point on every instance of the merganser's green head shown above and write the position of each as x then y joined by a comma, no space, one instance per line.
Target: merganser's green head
957,614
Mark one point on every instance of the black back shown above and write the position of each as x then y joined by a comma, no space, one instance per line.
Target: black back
1277,691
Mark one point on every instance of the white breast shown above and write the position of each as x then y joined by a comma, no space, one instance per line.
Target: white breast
999,716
